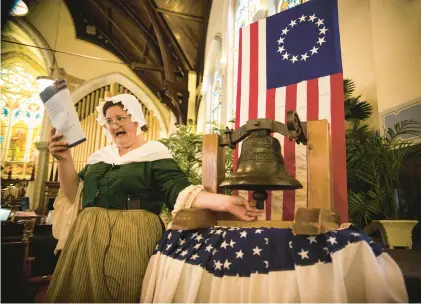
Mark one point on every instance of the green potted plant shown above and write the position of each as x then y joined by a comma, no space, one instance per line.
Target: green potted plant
374,163
185,144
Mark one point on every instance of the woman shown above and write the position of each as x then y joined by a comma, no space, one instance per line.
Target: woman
107,248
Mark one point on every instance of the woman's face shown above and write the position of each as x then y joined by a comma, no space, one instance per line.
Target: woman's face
120,125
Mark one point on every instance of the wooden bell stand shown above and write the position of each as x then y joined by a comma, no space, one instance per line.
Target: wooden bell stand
317,218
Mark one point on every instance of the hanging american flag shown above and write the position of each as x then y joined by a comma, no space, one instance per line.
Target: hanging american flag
292,61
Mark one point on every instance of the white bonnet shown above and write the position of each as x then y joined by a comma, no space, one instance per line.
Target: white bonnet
131,105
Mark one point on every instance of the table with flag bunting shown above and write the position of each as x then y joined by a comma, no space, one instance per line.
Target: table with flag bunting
231,264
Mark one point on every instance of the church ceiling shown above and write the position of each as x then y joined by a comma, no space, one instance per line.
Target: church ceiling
161,40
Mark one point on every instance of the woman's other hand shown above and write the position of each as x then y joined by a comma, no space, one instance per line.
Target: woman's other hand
241,208
59,147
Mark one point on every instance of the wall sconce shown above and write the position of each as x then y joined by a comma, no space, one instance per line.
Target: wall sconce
19,9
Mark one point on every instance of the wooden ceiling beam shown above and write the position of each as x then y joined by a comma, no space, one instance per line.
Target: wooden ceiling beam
181,15
124,9
145,67
122,31
164,27
171,92
121,53
200,57
146,48
166,56
153,86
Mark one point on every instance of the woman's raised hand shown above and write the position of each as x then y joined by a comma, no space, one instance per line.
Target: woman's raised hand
58,146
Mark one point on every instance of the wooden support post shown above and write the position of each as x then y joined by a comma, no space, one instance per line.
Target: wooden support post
319,165
319,215
212,175
213,157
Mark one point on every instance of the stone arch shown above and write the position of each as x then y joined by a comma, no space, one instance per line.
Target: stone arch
47,55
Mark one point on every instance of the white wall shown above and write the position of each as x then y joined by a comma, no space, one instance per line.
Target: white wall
396,27
357,50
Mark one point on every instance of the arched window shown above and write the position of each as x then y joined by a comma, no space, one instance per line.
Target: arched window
243,16
21,118
287,4
245,11
216,103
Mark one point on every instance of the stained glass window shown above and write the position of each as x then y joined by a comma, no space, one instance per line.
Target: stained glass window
216,103
21,117
287,4
243,16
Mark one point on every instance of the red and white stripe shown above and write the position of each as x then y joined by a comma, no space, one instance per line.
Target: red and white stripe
313,99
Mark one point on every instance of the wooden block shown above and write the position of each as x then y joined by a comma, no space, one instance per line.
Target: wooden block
319,165
256,224
314,221
190,219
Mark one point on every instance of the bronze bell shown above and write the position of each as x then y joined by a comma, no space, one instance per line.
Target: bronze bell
261,167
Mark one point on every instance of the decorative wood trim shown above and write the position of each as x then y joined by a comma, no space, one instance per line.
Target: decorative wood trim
177,14
412,107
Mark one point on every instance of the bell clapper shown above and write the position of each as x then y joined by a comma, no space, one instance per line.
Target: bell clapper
260,196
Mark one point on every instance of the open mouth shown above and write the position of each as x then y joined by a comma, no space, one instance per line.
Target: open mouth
120,133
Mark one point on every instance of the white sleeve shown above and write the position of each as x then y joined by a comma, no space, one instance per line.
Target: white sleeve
186,198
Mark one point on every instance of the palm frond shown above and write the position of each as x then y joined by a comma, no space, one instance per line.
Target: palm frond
361,209
357,110
404,128
349,87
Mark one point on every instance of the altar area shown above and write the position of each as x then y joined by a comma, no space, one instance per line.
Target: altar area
316,257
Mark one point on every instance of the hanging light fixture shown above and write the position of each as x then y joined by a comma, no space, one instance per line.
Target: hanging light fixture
19,9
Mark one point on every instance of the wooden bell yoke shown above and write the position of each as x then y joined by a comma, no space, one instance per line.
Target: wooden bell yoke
319,215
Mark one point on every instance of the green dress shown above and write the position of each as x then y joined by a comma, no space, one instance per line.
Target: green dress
108,248
153,183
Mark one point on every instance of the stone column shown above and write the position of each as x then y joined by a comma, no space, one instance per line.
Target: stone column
37,201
